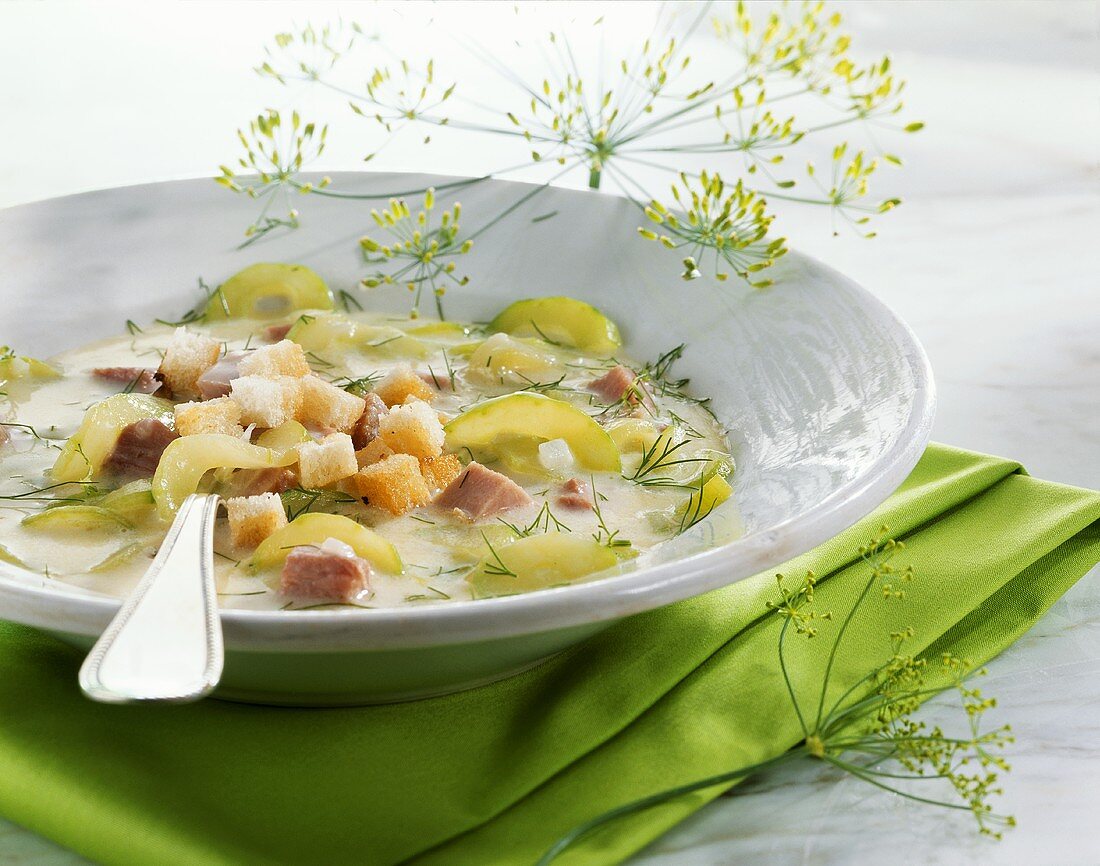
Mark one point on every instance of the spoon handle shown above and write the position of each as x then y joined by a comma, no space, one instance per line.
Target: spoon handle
165,643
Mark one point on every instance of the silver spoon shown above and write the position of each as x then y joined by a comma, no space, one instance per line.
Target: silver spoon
165,644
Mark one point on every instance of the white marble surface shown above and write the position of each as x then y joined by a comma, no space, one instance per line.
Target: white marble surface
993,260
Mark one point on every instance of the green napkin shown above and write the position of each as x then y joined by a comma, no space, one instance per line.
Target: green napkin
495,775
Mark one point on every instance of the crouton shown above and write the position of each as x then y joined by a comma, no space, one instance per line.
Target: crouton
325,405
400,384
282,359
254,518
220,415
186,358
325,462
266,402
412,428
394,484
372,452
440,471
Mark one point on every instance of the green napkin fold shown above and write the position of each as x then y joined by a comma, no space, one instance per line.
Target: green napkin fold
495,775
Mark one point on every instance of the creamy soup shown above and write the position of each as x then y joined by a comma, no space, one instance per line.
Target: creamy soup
365,459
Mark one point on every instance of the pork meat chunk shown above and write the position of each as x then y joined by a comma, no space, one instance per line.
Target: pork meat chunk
138,449
479,492
331,572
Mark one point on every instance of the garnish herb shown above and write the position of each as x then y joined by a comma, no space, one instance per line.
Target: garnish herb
651,109
859,734
603,535
542,523
496,566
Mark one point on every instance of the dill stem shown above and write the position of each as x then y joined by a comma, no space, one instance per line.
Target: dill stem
836,645
582,830
861,773
787,679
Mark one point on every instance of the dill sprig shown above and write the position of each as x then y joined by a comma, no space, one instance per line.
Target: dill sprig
729,221
302,500
424,252
697,508
603,535
276,154
85,491
360,386
648,110
860,734
495,565
660,458
542,523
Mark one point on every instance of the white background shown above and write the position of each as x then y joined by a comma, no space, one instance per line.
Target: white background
994,259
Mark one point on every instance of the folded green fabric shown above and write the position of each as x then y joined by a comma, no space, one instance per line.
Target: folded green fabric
495,775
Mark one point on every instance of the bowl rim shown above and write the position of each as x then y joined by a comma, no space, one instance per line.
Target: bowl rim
72,610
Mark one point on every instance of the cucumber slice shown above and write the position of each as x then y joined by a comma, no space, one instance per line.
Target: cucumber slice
132,501
487,429
84,453
560,320
14,366
188,458
315,529
10,558
76,518
268,291
538,562
284,437
120,557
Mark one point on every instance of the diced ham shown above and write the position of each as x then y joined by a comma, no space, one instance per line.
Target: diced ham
136,379
575,494
215,381
621,382
138,448
331,572
479,492
253,482
276,333
614,385
366,428
437,381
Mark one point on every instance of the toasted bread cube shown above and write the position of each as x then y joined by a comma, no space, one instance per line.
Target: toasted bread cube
401,383
220,415
412,428
254,518
394,483
281,359
266,402
372,452
440,471
326,462
186,358
325,405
